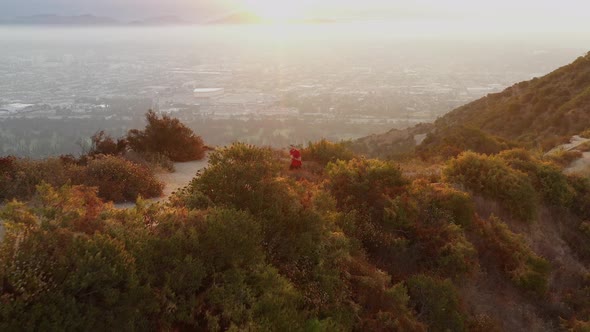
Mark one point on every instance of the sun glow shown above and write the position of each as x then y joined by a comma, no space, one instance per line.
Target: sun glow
277,11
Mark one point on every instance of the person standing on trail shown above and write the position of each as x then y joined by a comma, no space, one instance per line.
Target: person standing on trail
295,158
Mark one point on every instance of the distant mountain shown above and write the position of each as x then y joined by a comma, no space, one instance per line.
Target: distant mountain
82,20
161,20
61,20
235,18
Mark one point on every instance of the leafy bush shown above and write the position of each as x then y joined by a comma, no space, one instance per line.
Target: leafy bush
119,180
457,205
325,151
451,141
437,302
103,143
563,158
247,178
364,184
547,179
492,177
19,177
509,252
581,199
429,218
240,176
63,280
167,136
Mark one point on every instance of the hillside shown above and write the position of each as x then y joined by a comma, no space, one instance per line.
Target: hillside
345,244
539,112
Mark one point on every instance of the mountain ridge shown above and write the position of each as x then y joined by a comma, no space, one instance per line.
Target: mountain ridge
540,113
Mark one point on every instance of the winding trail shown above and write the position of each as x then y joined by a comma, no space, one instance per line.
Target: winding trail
575,141
183,175
579,165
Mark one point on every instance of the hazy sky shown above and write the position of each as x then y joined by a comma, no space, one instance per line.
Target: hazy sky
547,14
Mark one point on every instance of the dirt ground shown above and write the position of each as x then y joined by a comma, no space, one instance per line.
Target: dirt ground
184,173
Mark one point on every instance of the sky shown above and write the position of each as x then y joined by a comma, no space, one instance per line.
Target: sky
541,14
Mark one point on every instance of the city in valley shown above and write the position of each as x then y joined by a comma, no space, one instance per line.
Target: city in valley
60,87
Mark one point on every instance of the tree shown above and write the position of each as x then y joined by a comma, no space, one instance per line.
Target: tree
167,136
102,143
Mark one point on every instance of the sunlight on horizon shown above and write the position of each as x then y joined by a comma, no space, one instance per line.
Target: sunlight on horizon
285,11
277,12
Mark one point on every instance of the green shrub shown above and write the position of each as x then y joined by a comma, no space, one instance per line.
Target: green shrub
458,205
493,178
437,302
241,176
428,218
509,252
364,184
20,177
451,141
563,158
63,280
167,136
325,151
119,180
547,179
581,199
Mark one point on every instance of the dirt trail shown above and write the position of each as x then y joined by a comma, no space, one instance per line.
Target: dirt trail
577,166
183,175
575,141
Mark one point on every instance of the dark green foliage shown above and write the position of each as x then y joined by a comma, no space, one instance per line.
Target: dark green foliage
437,302
508,252
547,179
450,141
167,136
493,178
325,151
56,279
240,176
364,184
581,200
428,218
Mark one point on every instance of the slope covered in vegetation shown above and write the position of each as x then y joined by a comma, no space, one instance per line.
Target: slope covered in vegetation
249,245
539,112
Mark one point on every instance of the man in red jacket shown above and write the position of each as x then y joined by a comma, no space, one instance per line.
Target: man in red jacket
295,158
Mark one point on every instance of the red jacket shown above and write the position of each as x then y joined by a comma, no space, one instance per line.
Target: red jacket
295,157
